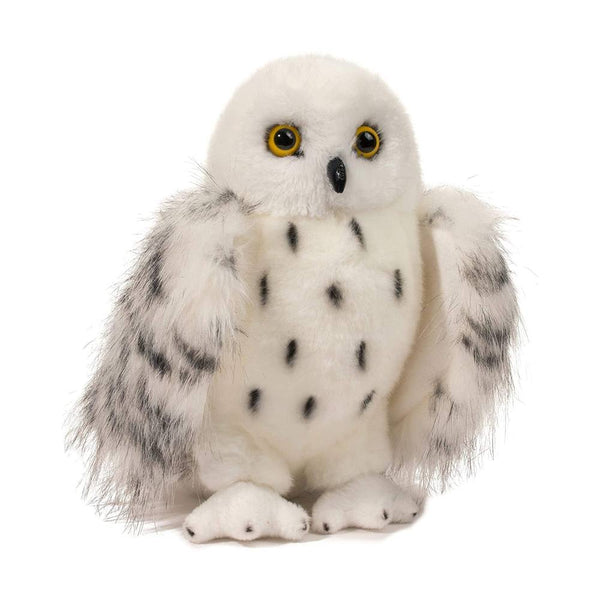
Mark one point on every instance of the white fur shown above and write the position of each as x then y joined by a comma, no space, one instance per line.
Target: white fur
368,502
245,511
456,228
338,442
194,334
326,99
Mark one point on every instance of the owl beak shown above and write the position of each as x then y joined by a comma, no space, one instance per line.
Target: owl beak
336,171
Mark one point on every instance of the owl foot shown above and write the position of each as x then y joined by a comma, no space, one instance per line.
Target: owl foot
367,502
245,511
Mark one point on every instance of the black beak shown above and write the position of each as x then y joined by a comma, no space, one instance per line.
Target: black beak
336,171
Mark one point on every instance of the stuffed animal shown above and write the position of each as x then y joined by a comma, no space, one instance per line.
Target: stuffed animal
310,318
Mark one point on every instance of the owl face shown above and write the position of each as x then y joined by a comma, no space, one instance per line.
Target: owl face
313,136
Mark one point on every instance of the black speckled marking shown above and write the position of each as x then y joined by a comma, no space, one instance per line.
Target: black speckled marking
357,231
226,197
398,284
228,261
487,274
291,351
202,362
335,295
157,360
309,407
436,217
263,285
438,396
497,337
368,399
292,236
486,360
361,355
156,289
254,400
442,446
466,342
154,266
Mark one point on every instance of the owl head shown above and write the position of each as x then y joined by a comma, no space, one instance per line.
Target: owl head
312,136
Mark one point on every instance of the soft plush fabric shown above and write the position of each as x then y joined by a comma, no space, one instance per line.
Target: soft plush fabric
285,331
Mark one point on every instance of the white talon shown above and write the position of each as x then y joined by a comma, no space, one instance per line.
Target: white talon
367,502
246,511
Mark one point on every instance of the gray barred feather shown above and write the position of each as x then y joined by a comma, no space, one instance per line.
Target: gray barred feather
460,374
143,409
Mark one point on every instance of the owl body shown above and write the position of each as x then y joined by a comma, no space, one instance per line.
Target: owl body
333,308
308,317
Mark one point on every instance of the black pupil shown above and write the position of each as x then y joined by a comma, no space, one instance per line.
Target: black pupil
285,138
366,142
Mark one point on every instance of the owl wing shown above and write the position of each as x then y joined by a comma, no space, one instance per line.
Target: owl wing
174,320
459,373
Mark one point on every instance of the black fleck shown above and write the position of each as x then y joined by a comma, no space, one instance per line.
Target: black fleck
466,342
326,526
492,335
254,400
191,532
335,295
264,289
309,407
156,283
368,399
436,216
357,231
249,529
292,349
292,236
398,283
228,261
154,265
200,361
487,275
385,515
361,355
156,359
488,360
442,446
227,196
441,402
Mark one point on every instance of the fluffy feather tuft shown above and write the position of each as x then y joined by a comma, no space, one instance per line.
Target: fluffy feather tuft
173,323
459,376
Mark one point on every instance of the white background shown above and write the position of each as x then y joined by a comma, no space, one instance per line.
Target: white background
104,107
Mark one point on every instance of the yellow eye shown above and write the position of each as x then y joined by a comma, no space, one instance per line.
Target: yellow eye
283,140
367,142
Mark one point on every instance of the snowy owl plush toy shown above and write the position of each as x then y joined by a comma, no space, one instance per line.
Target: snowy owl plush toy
309,319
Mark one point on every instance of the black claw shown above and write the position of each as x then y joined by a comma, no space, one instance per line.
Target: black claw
385,515
415,514
191,532
304,526
249,529
325,526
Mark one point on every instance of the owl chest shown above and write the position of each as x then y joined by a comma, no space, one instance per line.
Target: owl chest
332,313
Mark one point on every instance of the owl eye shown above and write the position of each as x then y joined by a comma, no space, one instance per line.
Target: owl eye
367,141
283,140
